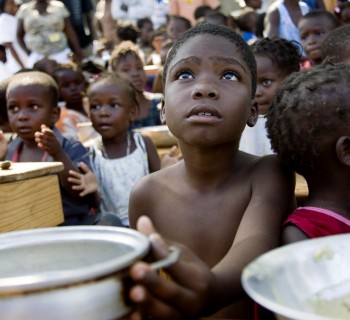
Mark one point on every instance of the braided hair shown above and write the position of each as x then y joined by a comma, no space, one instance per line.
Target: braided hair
307,107
283,53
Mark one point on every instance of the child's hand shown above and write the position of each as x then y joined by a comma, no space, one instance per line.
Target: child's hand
172,157
188,294
47,140
3,146
85,182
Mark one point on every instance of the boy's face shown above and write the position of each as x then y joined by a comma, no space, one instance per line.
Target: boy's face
131,67
312,33
111,110
28,107
207,97
71,85
175,29
269,79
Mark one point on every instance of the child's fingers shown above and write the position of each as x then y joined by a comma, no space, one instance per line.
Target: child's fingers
77,187
145,225
84,167
74,174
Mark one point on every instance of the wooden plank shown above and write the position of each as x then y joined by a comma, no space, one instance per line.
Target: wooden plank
27,170
32,203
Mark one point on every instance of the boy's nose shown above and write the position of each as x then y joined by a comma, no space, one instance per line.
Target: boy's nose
205,91
22,115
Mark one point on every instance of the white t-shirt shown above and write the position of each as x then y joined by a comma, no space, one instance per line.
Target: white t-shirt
8,25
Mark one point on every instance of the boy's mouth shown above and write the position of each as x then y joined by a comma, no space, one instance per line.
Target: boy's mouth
203,112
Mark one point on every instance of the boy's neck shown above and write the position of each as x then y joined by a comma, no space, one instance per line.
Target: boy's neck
210,166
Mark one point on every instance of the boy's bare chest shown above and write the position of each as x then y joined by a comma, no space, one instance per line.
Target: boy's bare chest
206,222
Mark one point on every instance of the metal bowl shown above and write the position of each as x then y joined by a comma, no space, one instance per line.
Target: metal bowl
68,273
307,280
160,135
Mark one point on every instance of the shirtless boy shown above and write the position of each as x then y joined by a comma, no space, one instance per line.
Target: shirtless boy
225,205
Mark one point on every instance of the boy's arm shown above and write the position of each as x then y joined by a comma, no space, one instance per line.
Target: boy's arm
47,140
272,22
152,154
292,234
3,146
259,231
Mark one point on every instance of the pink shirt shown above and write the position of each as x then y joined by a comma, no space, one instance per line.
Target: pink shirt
186,8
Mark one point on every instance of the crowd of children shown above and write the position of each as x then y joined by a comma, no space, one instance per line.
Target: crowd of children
250,106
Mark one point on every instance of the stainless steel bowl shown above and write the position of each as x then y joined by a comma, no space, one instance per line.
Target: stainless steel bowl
308,280
67,273
160,135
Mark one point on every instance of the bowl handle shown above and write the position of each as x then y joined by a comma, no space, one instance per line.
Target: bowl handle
173,256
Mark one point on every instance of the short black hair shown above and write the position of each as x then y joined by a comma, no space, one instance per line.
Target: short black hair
140,22
33,78
283,53
335,47
307,106
318,13
112,78
185,21
127,31
220,31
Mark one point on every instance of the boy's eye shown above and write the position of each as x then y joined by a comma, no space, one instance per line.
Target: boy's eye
13,108
230,75
34,106
115,105
184,75
94,107
266,82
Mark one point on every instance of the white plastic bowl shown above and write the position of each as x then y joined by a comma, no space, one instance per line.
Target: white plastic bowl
308,280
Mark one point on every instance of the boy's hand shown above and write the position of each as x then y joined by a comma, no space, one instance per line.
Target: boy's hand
172,157
85,182
47,140
3,146
187,295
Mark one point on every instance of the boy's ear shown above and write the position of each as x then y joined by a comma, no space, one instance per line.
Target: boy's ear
254,113
343,150
55,114
162,111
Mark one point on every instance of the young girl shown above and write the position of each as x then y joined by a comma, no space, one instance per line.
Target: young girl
276,59
309,127
119,157
72,86
126,61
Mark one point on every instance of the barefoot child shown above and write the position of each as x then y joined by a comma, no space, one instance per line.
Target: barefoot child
275,58
309,127
225,205
32,110
119,157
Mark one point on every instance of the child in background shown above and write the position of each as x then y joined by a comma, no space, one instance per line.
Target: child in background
313,27
225,205
145,27
336,45
343,12
16,57
246,23
275,58
125,61
32,110
119,157
46,65
309,127
72,88
177,25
